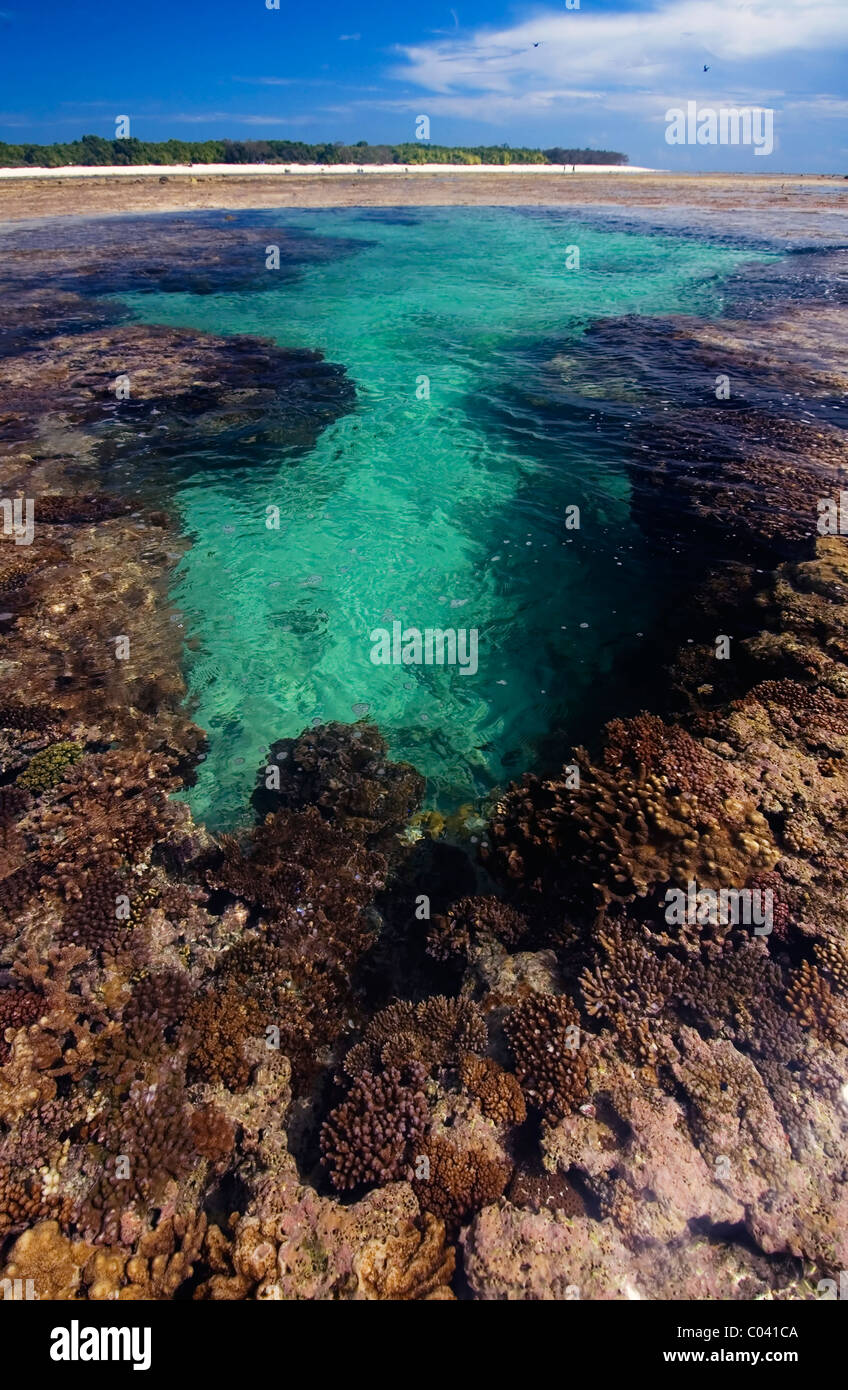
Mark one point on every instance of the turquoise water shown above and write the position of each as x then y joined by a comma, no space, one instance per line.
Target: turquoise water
440,501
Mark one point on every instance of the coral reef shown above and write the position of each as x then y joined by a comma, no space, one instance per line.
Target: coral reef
369,1137
344,771
660,808
452,934
549,1049
459,1180
210,1048
437,1032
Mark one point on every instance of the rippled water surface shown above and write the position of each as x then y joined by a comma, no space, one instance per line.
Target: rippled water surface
439,500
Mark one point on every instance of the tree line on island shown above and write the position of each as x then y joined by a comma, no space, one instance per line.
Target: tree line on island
93,150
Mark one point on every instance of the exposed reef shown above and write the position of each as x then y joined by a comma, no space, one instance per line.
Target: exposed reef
323,1059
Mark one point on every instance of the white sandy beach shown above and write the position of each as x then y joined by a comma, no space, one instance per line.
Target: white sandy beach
78,171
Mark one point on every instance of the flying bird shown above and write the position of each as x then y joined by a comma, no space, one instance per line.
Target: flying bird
537,45
706,67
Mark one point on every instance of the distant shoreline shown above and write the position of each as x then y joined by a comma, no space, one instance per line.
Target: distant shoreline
82,171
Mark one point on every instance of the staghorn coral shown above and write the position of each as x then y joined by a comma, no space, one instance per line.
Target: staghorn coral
546,1041
343,769
368,1137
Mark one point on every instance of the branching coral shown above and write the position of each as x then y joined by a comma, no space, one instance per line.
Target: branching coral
452,934
629,978
18,1007
100,917
110,808
812,1001
436,1032
134,1153
313,880
29,718
497,1091
660,808
549,1049
455,1182
736,992
65,508
370,1136
218,1024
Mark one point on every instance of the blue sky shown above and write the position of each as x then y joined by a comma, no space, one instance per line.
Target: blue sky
603,74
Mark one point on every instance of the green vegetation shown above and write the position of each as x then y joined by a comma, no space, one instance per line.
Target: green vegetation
93,150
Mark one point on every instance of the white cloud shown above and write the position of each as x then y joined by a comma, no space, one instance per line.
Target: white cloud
636,49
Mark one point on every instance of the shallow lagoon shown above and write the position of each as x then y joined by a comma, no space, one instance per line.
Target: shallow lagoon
439,501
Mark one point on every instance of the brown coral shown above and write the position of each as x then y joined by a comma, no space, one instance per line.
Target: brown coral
659,808
218,1024
452,934
434,1032
454,1182
497,1091
546,1041
368,1137
811,1000
343,769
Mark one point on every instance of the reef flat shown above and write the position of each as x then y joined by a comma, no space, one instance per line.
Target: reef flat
791,199
352,1051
